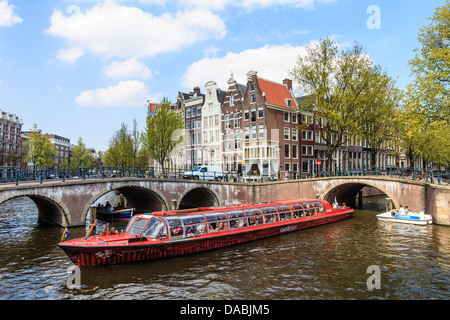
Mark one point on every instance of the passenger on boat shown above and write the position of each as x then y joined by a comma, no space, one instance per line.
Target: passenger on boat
176,231
401,210
190,231
201,229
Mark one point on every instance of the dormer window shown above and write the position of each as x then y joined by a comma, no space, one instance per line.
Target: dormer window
289,103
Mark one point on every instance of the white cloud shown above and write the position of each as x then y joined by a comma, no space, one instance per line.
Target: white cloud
111,30
69,55
7,15
125,93
130,68
248,5
271,62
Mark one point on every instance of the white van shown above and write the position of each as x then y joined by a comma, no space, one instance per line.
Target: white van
205,173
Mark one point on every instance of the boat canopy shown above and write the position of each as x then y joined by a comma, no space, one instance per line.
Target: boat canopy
198,223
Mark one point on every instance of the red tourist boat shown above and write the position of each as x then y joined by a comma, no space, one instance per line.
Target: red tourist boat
165,234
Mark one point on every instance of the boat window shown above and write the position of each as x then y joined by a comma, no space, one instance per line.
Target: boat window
238,223
218,226
215,216
271,218
285,212
235,214
297,210
136,227
255,220
268,210
191,219
173,221
252,212
309,209
155,228
196,229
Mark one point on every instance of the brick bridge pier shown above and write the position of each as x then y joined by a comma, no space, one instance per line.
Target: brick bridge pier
67,203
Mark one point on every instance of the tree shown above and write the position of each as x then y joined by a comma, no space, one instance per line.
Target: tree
40,151
82,157
340,85
379,119
160,137
429,93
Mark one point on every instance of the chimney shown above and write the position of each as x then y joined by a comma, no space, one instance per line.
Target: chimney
197,91
288,83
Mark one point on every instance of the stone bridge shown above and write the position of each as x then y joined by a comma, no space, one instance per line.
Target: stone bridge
67,203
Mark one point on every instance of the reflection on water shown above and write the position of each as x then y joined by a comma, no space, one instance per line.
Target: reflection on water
327,262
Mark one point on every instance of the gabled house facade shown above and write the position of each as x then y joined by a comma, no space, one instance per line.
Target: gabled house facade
212,124
270,120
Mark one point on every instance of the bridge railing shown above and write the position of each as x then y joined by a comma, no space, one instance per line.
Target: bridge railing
42,175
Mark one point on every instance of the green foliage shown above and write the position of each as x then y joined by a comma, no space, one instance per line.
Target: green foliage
346,89
41,152
425,117
123,148
161,133
430,67
82,157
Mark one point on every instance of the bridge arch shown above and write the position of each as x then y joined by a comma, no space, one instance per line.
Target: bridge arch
49,210
198,197
348,191
141,198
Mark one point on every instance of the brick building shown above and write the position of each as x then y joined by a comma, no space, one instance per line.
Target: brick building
10,143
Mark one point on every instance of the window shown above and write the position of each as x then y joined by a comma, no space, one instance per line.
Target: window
252,87
294,151
188,113
317,136
227,121
194,111
237,120
287,134
232,100
253,132
211,106
199,111
237,141
294,118
304,150
227,142
252,98
246,115
310,135
260,112
288,102
253,115
247,132
287,149
294,134
216,120
304,135
286,116
311,150
261,131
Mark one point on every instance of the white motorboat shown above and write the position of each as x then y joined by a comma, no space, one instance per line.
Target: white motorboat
411,217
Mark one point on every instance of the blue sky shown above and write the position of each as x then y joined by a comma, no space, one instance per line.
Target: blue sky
80,68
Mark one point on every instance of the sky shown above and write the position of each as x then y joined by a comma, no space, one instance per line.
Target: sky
81,68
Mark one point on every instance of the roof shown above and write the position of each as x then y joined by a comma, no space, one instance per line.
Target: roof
277,94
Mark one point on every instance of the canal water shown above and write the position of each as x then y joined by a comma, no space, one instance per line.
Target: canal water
335,261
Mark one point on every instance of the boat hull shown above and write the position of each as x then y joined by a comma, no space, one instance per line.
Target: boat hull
137,251
418,220
124,215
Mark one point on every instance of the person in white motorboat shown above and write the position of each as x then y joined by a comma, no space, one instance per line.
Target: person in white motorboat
401,210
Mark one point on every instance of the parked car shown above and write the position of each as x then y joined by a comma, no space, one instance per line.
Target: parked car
205,173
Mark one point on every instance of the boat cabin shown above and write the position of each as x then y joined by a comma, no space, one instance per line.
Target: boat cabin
175,227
